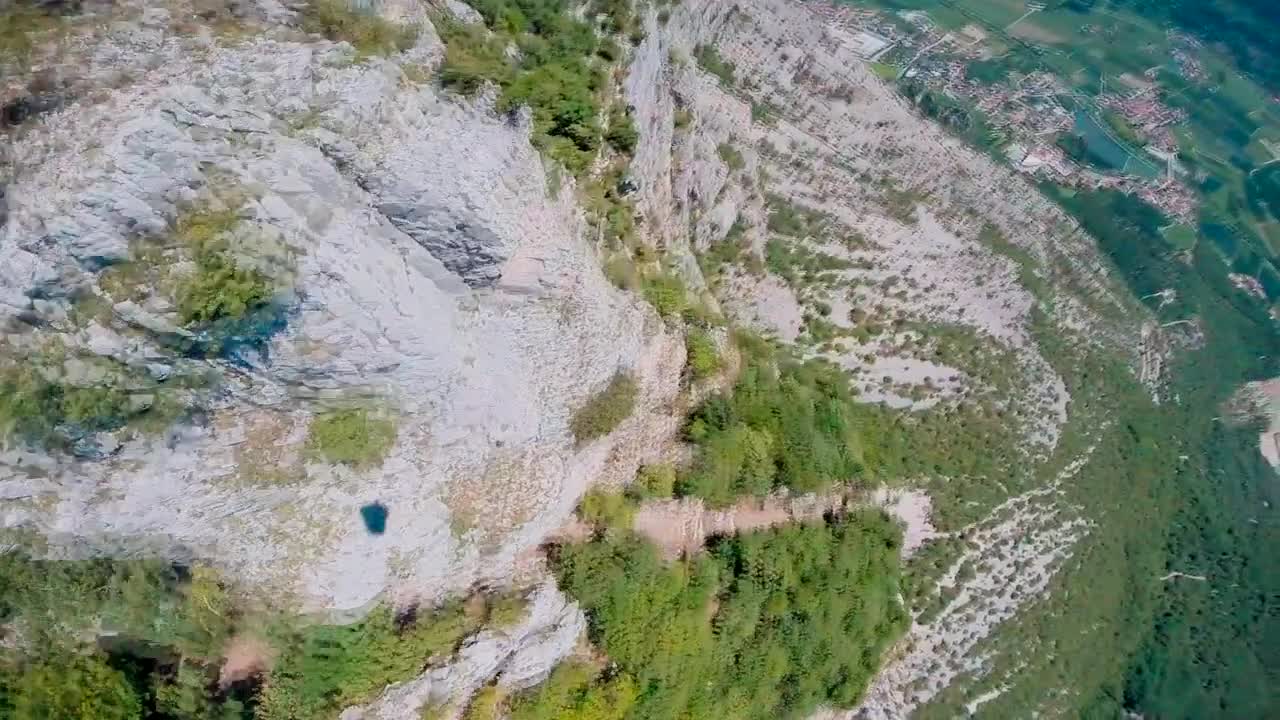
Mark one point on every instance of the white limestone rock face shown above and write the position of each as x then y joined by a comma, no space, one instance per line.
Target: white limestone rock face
432,272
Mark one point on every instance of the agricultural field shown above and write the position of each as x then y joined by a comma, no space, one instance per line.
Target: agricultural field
1218,141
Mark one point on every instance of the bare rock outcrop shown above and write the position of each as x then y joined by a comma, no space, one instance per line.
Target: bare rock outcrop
430,273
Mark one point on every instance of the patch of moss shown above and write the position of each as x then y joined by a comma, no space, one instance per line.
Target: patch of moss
606,410
355,437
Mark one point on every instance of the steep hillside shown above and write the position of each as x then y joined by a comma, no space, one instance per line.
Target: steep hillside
322,318
419,269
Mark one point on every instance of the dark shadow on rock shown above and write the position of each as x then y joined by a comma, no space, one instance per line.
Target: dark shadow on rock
375,518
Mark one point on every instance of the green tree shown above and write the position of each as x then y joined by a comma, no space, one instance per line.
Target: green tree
68,686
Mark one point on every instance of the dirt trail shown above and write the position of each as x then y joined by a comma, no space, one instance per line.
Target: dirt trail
682,526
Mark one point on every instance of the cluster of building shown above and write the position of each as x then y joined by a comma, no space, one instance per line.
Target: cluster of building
1028,108
1148,115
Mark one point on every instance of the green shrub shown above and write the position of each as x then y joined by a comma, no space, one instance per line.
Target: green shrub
700,354
767,625
557,75
69,687
785,424
605,410
353,437
621,271
368,33
666,293
606,509
762,113
472,57
576,691
654,481
622,134
42,412
709,59
565,108
221,290
731,157
325,668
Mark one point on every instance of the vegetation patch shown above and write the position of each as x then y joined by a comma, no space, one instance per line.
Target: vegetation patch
734,249
59,671
620,269
785,424
473,57
622,134
611,210
1028,277
799,265
731,156
337,20
607,509
325,668
605,410
223,287
559,72
165,631
763,112
766,625
701,356
901,204
709,59
356,437
654,481
221,290
576,690
40,408
790,218
666,292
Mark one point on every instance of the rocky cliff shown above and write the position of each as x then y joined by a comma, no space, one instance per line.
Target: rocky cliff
429,271
429,268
